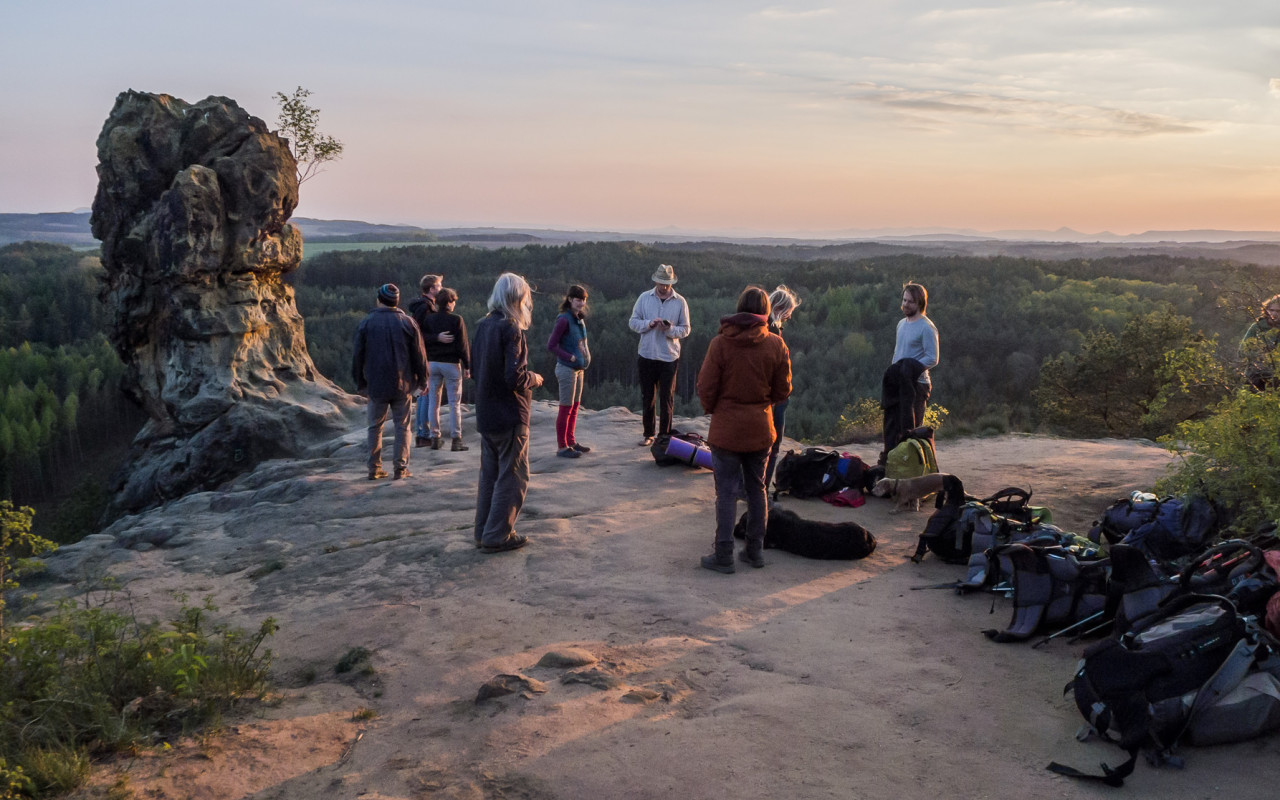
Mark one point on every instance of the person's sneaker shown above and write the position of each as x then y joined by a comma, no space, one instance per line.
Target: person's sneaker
646,441
714,563
421,441
458,446
516,541
377,473
756,560
581,448
401,473
568,452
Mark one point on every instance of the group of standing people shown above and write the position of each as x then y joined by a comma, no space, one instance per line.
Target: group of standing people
744,383
397,355
444,334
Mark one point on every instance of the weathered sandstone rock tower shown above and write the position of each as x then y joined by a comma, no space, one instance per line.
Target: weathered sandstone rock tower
192,210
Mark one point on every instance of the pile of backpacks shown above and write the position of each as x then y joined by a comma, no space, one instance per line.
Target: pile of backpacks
822,472
1185,625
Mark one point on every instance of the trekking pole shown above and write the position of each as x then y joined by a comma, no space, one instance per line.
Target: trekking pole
1069,628
1091,631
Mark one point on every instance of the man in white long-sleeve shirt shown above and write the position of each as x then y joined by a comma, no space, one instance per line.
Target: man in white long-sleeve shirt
661,317
907,386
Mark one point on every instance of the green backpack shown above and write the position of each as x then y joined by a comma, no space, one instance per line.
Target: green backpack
911,458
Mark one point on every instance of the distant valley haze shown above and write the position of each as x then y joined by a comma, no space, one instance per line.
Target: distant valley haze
1253,247
1098,121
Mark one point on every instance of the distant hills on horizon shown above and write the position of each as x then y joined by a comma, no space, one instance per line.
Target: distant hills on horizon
1258,247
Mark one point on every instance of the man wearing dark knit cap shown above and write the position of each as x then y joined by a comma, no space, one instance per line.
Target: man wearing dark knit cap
389,364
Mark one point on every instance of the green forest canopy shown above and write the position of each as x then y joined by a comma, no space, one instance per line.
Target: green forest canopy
1000,319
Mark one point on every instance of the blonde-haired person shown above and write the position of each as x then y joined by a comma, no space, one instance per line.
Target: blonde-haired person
504,395
746,372
782,304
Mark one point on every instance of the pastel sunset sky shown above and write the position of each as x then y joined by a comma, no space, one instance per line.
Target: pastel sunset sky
708,115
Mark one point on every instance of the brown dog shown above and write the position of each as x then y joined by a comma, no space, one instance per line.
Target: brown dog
908,492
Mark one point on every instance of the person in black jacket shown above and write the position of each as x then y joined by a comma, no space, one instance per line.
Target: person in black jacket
504,397
450,363
389,364
420,308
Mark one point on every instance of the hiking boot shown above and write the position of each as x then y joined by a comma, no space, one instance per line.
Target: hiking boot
422,441
437,443
568,452
458,446
753,557
402,473
581,448
376,473
719,563
515,542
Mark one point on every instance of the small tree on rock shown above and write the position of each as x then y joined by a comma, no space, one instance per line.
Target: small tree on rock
298,123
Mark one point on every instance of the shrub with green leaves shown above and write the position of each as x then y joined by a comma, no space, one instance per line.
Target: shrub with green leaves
1156,373
19,550
1232,456
90,680
864,419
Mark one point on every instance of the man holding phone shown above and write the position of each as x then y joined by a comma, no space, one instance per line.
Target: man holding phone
661,317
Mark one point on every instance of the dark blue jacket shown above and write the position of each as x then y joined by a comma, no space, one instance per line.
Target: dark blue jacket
500,368
569,338
389,359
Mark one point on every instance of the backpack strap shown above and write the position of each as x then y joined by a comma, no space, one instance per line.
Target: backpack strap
1032,591
1109,776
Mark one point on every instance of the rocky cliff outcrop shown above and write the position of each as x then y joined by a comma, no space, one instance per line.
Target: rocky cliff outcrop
192,211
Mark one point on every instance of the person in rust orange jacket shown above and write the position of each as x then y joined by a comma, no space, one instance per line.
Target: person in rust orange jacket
746,371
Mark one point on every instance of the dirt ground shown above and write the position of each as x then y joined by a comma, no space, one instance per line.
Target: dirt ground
806,679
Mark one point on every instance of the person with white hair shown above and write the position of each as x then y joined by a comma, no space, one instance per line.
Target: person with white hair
504,397
661,317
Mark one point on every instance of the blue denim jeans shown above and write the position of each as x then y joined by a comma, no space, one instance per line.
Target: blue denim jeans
421,428
735,472
448,377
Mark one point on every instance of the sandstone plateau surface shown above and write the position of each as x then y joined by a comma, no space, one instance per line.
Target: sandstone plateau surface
601,661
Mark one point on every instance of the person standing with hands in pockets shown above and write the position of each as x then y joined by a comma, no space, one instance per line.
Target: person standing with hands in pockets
661,317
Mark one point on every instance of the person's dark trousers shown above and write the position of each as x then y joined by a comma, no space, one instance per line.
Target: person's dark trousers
918,405
735,472
504,479
903,399
779,425
377,415
657,382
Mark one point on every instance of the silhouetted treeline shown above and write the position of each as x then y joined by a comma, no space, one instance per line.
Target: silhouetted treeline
999,318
